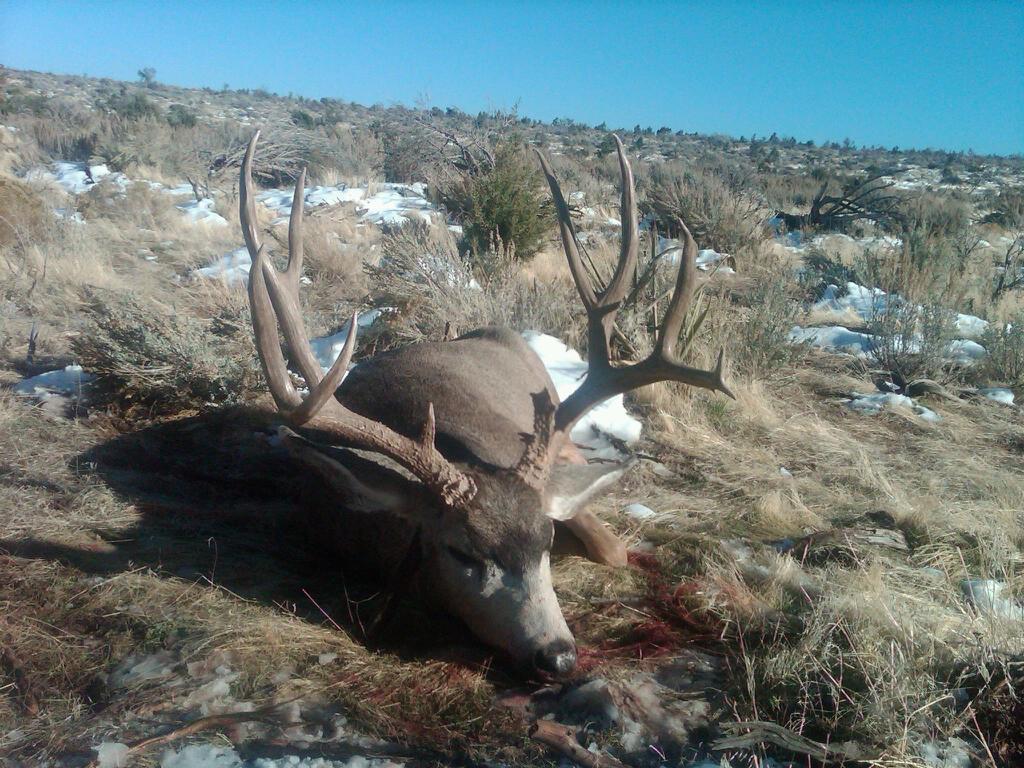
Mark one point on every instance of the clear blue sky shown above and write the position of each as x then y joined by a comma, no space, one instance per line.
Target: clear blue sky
921,74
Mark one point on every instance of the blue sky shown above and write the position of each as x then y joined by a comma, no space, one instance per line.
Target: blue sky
921,74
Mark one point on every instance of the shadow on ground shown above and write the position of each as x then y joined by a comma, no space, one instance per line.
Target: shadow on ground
220,504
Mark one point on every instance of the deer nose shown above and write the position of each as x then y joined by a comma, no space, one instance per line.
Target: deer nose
557,659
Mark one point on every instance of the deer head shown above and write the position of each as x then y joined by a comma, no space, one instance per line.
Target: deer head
484,533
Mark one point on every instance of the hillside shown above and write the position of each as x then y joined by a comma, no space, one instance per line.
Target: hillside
825,569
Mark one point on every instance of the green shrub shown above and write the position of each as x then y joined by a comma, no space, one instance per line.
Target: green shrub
131,105
404,156
180,116
502,208
163,361
303,119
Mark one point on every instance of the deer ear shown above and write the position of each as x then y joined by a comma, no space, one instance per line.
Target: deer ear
572,486
361,484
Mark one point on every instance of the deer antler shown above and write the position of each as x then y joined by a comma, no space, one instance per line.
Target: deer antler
604,380
274,299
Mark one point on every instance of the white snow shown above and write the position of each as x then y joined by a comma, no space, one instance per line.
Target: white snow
609,419
862,301
279,201
872,404
987,597
211,756
954,753
707,258
392,204
232,268
327,348
111,754
201,212
72,177
65,381
999,394
965,352
639,511
970,327
137,669
865,304
835,338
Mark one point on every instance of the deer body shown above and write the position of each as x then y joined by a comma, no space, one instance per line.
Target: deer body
465,442
480,384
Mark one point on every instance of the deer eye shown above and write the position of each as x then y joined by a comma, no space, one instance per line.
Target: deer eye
467,561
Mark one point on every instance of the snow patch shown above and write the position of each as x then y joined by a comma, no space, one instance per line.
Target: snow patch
988,598
605,423
834,338
708,259
866,304
393,204
639,511
210,756
76,178
965,352
999,394
326,349
64,381
201,212
232,268
862,301
873,404
111,754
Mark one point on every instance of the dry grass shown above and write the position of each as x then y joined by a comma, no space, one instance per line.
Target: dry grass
126,535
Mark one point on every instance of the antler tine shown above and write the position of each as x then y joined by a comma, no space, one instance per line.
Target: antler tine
601,307
264,325
265,328
323,393
682,297
568,235
619,285
246,201
602,380
273,299
295,249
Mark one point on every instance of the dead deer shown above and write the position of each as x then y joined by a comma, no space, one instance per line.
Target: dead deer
462,455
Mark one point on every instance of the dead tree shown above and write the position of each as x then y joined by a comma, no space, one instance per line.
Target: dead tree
866,200
1010,268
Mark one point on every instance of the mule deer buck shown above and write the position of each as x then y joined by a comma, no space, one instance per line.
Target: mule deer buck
456,453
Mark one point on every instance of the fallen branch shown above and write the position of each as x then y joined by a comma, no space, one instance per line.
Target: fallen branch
759,732
562,739
198,726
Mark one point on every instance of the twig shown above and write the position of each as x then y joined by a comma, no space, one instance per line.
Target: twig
197,726
759,731
562,739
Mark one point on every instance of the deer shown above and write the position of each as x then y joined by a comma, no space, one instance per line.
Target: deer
455,455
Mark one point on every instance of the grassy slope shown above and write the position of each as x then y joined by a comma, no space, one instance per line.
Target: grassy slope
125,535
